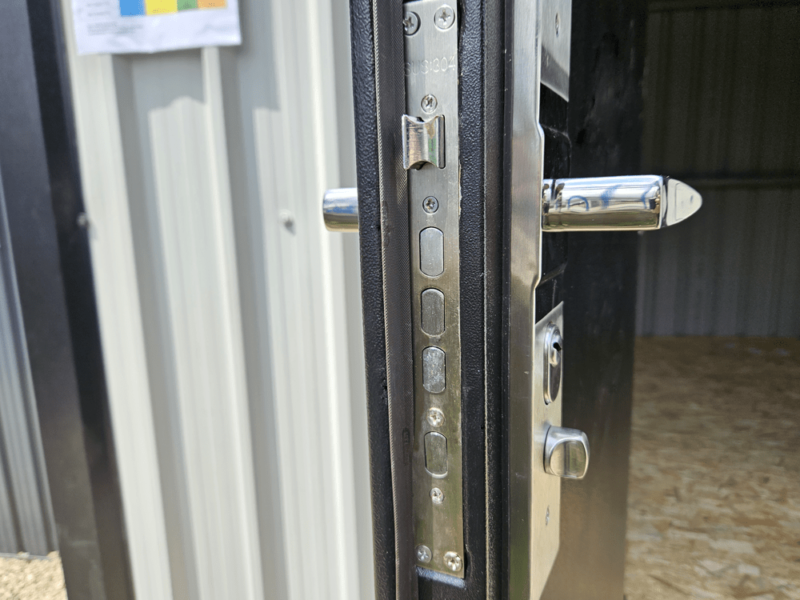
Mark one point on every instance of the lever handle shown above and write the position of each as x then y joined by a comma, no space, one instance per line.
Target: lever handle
616,203
340,209
587,204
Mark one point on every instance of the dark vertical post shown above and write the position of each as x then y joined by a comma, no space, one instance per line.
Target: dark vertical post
605,130
38,160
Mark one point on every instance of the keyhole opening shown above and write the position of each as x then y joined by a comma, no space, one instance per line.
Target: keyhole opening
557,347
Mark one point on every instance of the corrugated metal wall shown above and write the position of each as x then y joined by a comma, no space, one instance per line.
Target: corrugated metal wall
230,318
721,111
26,519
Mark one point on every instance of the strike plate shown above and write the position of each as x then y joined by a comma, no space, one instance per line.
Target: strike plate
431,66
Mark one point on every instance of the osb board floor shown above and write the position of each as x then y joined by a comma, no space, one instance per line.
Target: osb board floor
714,501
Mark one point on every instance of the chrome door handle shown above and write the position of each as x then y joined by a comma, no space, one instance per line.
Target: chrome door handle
637,203
616,203
340,209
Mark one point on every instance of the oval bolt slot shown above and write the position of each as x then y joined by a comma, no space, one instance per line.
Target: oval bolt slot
436,454
433,370
433,312
431,251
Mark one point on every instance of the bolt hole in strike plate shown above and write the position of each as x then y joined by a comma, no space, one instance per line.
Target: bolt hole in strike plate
430,154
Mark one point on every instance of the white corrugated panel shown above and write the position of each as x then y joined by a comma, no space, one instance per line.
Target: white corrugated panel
230,318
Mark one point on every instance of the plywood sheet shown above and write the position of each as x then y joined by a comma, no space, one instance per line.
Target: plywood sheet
714,501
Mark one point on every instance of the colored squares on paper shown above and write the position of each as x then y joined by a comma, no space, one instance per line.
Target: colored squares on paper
131,8
134,8
161,7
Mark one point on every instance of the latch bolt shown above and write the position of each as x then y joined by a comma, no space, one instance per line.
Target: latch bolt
423,142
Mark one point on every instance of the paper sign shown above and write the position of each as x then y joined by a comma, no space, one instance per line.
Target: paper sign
120,26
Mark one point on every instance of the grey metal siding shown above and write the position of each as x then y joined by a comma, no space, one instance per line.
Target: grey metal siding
230,318
721,91
26,519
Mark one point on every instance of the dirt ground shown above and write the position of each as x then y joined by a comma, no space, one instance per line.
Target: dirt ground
714,501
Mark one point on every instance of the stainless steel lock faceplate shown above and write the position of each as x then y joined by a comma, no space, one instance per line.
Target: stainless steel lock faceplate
545,489
533,495
556,45
431,67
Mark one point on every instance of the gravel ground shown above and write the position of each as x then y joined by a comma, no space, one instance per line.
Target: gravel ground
32,579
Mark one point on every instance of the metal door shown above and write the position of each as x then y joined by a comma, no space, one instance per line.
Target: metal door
496,211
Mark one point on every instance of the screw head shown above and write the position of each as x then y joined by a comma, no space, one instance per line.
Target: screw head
411,23
423,554
437,496
435,417
453,561
430,205
429,103
287,218
444,17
